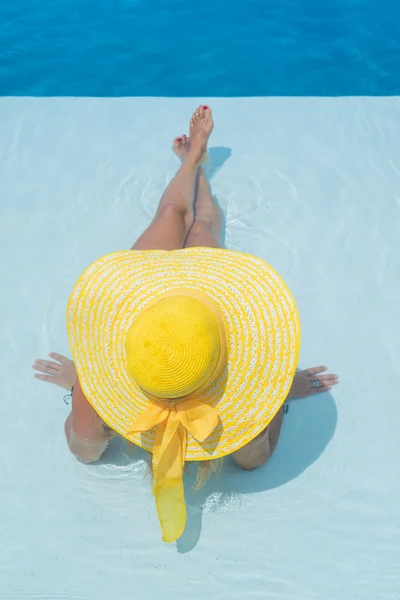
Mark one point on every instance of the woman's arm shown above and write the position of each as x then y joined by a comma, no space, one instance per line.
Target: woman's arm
86,434
257,452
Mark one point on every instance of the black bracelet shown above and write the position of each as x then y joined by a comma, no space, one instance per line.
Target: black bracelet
69,395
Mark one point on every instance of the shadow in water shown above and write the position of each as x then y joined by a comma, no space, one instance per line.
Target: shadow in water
306,431
217,156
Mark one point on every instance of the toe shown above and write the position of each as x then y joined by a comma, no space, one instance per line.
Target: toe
177,142
207,112
195,118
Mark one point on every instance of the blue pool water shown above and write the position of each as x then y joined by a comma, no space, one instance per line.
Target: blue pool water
208,48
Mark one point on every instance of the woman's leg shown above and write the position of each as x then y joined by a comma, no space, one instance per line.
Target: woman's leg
206,228
174,217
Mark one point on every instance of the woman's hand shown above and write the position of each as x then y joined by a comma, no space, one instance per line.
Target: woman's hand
61,373
303,383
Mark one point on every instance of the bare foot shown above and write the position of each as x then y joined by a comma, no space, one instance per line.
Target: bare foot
180,147
201,126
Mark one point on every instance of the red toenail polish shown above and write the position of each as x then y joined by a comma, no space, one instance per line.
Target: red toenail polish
205,107
178,139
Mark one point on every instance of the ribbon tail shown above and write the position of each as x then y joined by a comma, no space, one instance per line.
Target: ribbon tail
168,485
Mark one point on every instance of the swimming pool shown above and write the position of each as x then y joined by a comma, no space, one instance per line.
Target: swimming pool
310,184
210,48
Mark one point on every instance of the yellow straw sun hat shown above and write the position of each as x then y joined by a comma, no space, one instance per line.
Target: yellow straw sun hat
188,354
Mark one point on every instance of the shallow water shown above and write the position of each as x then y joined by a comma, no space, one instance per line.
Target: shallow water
310,185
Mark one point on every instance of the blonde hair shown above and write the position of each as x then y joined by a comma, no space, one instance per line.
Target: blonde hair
205,470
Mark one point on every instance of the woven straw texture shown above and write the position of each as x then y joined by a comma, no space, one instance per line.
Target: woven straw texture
173,347
263,338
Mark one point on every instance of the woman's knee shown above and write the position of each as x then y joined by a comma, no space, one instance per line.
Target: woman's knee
173,211
168,230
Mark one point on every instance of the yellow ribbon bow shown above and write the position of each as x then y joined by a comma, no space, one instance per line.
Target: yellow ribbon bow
174,419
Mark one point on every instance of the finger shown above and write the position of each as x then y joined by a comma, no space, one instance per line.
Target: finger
322,382
49,378
52,366
44,369
320,390
315,370
325,378
62,359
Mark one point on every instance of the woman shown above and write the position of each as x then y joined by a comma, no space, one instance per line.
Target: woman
175,377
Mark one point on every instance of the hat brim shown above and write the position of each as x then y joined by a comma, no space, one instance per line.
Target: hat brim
263,338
